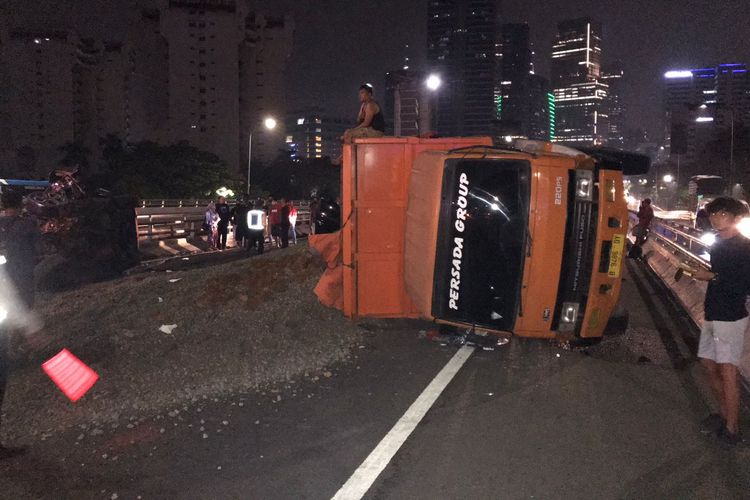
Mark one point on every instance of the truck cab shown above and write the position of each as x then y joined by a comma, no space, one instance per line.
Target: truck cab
526,239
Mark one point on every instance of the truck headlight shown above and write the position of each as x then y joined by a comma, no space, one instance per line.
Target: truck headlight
569,316
584,184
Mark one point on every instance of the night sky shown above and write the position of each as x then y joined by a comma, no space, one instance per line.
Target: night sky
345,42
342,43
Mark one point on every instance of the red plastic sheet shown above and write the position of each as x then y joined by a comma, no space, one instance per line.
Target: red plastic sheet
70,374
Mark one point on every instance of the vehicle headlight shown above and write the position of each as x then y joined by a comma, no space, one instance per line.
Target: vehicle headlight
569,316
3,260
584,184
708,239
3,314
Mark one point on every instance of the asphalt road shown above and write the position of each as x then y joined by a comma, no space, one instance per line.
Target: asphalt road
528,420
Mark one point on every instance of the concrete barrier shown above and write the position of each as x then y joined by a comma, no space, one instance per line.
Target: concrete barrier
663,260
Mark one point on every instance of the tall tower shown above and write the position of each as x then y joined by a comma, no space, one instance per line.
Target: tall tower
523,104
461,47
264,52
204,39
576,81
615,105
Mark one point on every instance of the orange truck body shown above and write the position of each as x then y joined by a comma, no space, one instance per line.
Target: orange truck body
396,212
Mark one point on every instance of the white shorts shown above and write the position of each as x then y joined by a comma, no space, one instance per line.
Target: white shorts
722,341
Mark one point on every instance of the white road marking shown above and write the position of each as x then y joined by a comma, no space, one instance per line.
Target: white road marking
362,479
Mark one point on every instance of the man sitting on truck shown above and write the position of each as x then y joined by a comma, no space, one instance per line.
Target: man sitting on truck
370,121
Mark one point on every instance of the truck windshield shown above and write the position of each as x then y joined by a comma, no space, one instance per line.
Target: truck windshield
481,242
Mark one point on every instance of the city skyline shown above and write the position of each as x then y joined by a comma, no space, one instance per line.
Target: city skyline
646,40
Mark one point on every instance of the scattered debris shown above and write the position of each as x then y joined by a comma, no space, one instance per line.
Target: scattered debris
175,280
160,300
450,335
167,329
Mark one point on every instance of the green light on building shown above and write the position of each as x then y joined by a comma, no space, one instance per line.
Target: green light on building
499,106
551,112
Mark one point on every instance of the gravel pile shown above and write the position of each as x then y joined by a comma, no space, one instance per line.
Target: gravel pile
241,326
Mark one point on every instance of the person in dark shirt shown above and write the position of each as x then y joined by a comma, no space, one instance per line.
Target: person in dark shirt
257,224
17,241
726,317
370,120
239,219
314,211
284,222
702,221
222,209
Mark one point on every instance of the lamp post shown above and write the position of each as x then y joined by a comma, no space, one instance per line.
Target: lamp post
433,83
668,179
269,123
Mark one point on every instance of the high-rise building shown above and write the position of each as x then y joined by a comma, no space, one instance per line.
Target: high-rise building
147,104
461,39
615,106
263,54
580,94
406,103
100,93
697,101
515,65
38,99
203,71
312,133
204,77
523,104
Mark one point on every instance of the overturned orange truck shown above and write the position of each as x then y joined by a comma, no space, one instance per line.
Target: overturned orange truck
526,239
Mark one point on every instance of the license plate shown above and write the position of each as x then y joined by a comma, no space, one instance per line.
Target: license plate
615,255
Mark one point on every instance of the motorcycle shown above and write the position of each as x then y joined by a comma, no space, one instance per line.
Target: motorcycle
52,205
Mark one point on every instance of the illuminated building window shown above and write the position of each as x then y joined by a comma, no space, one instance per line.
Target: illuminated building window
318,138
300,121
289,139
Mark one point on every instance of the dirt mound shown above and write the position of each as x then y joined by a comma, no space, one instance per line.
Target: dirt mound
240,326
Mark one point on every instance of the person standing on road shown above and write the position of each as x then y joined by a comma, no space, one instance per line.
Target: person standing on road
726,317
239,220
17,242
210,222
257,225
640,230
224,213
274,220
702,220
645,216
293,223
314,211
284,223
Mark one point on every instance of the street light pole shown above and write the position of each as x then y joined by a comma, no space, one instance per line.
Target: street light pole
249,158
270,124
731,153
433,83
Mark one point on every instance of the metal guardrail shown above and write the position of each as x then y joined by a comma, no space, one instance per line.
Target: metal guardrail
171,219
680,238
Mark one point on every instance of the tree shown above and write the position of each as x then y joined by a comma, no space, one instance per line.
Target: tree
149,170
299,179
75,154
